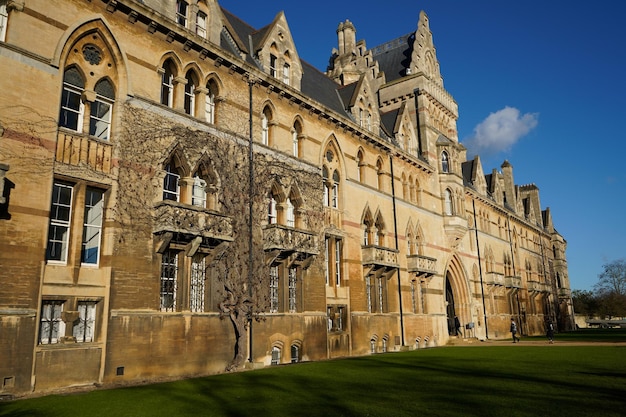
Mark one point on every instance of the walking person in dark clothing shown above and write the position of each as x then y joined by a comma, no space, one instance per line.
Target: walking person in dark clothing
457,326
514,331
550,332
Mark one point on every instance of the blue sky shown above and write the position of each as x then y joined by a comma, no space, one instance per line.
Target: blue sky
539,83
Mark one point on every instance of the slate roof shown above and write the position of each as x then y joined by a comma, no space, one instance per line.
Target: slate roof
315,84
394,57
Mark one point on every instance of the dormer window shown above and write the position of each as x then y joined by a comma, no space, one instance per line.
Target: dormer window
201,24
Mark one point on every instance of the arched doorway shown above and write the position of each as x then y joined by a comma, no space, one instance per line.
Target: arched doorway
450,307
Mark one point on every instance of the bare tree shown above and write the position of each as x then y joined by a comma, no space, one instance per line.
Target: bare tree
243,280
613,278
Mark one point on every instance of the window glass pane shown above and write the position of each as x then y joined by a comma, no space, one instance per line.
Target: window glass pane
100,119
83,329
59,228
197,287
92,226
71,108
169,271
51,327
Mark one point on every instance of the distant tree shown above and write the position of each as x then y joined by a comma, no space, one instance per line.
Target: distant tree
611,289
613,278
585,302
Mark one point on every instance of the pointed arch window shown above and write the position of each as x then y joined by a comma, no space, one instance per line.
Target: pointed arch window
167,84
296,133
448,208
266,118
360,165
286,73
171,183
272,212
190,93
72,108
198,192
291,216
325,179
100,115
380,174
334,201
209,105
445,163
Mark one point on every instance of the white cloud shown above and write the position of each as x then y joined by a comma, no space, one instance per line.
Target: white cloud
500,131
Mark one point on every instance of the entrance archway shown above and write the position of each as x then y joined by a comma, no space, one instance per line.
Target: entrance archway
450,307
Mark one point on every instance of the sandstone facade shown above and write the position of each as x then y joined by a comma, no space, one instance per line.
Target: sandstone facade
126,199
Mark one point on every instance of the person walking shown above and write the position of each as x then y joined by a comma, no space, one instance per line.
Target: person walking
550,331
514,331
457,326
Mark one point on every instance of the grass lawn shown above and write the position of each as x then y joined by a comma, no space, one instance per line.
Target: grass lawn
477,380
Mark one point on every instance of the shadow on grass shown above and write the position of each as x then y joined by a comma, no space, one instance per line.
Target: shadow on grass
471,381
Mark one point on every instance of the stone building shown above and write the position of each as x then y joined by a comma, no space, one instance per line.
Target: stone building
181,194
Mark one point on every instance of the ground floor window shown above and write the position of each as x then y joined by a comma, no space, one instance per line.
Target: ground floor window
83,330
51,326
275,355
169,273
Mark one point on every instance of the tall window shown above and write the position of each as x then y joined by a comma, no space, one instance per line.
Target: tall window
190,94
167,84
326,187
275,355
273,66
100,116
376,293
51,326
169,274
291,216
274,282
171,188
334,259
92,227
286,73
448,209
181,12
209,105
360,166
295,353
197,284
59,229
296,133
201,24
84,327
445,163
334,201
265,126
198,193
293,290
72,108
271,210
4,18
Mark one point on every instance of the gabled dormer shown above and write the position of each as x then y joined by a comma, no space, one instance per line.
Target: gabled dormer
398,125
360,101
275,50
473,175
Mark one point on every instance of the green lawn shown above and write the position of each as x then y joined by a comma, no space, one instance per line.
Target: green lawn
480,380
